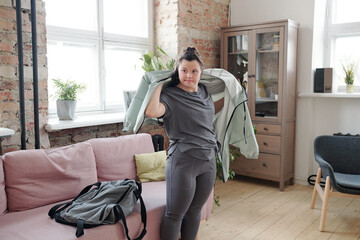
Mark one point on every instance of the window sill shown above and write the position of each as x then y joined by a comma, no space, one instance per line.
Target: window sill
83,120
329,95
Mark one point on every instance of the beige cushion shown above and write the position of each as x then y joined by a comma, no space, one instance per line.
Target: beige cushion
151,166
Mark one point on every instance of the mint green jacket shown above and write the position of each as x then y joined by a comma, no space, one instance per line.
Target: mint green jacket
232,124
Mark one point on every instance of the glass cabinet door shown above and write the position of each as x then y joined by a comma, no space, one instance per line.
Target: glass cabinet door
267,75
237,57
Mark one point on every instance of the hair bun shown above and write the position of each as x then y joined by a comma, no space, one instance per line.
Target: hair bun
190,49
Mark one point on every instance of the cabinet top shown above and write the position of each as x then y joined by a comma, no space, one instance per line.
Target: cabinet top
277,23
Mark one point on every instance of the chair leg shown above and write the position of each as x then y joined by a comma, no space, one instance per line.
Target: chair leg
325,204
318,177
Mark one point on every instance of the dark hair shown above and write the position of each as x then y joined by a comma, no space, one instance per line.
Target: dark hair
189,54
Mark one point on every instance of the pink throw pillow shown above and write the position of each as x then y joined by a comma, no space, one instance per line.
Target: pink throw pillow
115,156
39,177
3,203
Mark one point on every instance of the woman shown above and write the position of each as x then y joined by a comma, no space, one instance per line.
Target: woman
188,112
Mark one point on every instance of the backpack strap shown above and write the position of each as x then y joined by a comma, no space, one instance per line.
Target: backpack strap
120,215
139,186
143,216
79,228
55,209
87,188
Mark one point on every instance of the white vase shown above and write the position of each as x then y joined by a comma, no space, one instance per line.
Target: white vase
66,109
350,88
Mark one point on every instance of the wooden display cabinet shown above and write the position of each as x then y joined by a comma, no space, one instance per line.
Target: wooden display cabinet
263,59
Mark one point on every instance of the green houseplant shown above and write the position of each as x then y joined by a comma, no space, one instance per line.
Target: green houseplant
350,71
66,95
152,61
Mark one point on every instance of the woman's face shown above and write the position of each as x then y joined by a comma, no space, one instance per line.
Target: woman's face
189,75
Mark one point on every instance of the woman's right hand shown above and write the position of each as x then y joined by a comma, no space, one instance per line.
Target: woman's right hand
155,108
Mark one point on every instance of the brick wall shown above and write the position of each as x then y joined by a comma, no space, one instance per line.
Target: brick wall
71,136
166,26
198,24
9,84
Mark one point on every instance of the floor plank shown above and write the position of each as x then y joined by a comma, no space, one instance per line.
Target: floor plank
256,209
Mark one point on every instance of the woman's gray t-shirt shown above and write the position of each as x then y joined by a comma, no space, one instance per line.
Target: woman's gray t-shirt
188,121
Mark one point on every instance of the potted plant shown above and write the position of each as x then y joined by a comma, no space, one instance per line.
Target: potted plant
66,94
350,71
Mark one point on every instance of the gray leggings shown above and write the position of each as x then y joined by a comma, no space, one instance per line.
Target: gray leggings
189,182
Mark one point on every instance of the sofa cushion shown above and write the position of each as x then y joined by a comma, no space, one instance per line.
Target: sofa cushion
3,203
42,176
115,156
151,166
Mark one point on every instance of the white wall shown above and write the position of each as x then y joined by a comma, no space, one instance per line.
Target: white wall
315,116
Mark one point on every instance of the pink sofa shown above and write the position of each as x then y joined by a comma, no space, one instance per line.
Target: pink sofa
32,181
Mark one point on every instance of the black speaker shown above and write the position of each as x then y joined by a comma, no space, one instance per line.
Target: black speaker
323,80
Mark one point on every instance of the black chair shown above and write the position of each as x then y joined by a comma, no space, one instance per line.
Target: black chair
339,160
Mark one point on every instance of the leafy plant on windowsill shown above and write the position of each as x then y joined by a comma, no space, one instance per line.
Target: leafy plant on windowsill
68,89
152,61
350,71
66,95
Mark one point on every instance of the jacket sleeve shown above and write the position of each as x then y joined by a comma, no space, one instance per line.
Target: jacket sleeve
135,105
135,115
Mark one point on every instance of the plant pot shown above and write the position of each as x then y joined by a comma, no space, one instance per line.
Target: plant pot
66,109
350,88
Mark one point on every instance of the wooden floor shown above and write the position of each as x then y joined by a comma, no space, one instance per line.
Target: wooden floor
256,209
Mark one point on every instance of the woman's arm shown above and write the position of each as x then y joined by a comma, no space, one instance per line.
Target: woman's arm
219,105
155,108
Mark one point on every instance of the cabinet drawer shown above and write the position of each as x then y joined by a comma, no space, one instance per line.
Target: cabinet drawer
266,164
268,144
268,128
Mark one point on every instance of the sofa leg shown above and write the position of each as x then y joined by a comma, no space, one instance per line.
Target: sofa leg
325,204
318,177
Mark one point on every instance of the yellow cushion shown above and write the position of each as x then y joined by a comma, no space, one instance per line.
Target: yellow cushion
151,166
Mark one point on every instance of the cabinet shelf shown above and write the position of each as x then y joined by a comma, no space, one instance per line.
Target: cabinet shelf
267,51
264,100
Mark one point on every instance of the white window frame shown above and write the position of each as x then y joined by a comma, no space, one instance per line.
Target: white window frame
100,39
332,32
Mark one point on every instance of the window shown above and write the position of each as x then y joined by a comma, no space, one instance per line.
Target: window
99,43
343,40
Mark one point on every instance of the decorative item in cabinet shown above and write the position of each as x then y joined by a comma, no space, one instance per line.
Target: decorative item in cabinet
270,71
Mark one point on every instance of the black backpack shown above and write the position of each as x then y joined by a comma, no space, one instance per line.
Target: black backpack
106,203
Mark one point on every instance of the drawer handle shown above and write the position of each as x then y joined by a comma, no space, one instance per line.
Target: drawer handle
265,128
264,165
265,143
